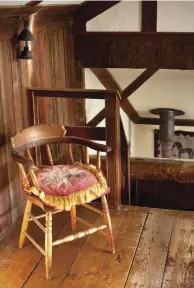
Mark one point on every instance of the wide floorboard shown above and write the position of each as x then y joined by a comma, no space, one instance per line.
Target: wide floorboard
154,248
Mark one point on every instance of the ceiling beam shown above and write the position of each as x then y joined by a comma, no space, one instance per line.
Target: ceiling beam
156,121
88,11
149,16
91,9
130,111
97,119
32,3
135,50
91,133
130,89
108,81
17,11
139,81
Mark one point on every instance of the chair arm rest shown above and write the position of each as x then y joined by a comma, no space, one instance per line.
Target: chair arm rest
91,144
65,139
23,160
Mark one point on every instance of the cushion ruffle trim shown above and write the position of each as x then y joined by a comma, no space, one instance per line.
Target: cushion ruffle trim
81,197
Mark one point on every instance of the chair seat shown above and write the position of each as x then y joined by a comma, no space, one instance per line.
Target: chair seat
63,186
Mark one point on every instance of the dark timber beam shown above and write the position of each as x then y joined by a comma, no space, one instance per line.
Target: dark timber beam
112,107
125,160
88,11
107,80
32,3
97,119
156,121
135,50
130,111
91,9
149,16
139,81
70,93
91,133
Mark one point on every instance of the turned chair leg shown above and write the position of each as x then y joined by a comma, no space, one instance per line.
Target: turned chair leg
48,244
73,217
25,223
107,221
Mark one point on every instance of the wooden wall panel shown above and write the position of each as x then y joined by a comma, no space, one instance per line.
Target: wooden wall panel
5,207
9,123
53,67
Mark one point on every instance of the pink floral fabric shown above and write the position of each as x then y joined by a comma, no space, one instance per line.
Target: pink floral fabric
63,180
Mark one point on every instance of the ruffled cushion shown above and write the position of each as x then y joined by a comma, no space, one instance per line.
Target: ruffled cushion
63,186
64,180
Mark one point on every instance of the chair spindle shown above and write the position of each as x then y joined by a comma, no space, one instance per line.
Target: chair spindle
23,175
87,158
29,155
98,161
49,155
70,154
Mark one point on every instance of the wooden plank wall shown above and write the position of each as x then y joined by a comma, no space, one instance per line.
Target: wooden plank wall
53,67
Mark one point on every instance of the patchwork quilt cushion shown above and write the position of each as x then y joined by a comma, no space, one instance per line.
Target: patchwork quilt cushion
63,186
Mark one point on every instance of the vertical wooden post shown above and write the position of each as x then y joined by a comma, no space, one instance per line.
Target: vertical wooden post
125,180
112,113
149,16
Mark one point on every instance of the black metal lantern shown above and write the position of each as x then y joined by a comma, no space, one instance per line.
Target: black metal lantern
26,35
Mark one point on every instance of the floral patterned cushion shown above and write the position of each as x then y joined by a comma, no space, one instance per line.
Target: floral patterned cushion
64,179
63,186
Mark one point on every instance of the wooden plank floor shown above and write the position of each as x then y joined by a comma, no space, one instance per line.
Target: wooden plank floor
154,248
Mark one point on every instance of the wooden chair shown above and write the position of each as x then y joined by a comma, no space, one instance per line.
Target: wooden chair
36,189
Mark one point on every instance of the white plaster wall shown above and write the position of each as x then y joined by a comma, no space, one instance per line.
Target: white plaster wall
175,16
166,88
93,106
124,16
143,141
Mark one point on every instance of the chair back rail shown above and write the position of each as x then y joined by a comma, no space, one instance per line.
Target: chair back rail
44,135
35,133
60,140
38,132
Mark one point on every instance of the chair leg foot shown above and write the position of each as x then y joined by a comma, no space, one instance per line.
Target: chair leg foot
73,218
48,245
25,223
107,221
